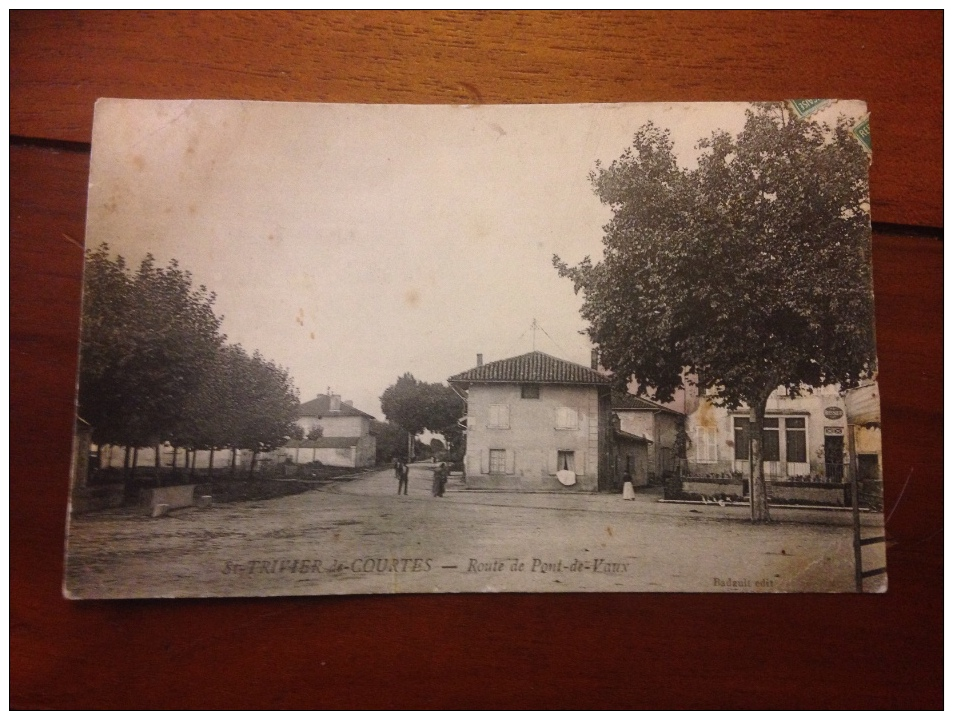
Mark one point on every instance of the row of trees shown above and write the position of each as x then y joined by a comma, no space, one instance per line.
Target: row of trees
416,406
155,367
748,272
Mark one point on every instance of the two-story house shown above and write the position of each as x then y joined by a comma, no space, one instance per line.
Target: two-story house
336,434
658,424
809,441
540,423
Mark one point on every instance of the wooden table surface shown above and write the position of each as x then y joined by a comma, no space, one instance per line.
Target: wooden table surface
571,650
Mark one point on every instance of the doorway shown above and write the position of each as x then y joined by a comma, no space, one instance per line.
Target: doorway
834,458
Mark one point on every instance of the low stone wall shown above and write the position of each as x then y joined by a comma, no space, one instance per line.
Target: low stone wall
713,487
807,493
779,492
175,497
96,498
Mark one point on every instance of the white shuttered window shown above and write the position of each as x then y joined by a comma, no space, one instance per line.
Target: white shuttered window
706,445
567,419
499,417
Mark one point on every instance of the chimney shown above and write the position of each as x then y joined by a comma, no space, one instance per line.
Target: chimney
595,359
349,403
479,359
335,403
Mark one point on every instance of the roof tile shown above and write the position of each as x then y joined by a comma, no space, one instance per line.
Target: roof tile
321,407
534,367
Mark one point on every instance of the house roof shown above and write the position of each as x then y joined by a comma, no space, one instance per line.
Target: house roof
622,434
323,443
321,407
628,401
534,367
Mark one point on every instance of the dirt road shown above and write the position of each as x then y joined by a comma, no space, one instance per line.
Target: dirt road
358,536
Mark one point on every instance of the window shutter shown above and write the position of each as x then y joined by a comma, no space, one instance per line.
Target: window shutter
499,417
567,419
484,461
510,461
706,444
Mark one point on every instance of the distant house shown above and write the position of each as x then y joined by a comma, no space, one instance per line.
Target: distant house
809,442
804,437
656,423
336,434
539,423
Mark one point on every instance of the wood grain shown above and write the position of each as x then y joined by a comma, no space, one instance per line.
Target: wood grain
442,651
61,62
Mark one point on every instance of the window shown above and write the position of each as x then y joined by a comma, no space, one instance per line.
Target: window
565,459
567,419
771,440
795,439
497,461
499,417
742,439
529,392
795,436
868,467
706,445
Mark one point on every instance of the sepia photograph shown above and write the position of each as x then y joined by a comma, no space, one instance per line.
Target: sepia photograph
359,349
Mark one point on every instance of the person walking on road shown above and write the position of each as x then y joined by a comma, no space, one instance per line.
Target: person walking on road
444,475
440,479
402,472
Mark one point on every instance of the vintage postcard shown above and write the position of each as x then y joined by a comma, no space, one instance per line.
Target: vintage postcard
338,349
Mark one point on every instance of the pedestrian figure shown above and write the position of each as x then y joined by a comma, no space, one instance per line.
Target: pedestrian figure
403,477
444,474
628,492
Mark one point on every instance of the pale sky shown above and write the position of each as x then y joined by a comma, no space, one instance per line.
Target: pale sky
354,243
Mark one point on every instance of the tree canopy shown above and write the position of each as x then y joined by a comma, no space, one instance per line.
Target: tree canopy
391,440
415,406
155,368
148,337
750,271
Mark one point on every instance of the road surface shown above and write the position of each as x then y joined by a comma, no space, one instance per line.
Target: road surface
355,535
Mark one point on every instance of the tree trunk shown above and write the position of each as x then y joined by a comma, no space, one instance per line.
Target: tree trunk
126,473
158,466
410,447
175,456
234,457
254,458
756,485
135,459
211,458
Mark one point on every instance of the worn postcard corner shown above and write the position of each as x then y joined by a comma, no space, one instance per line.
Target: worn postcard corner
340,349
